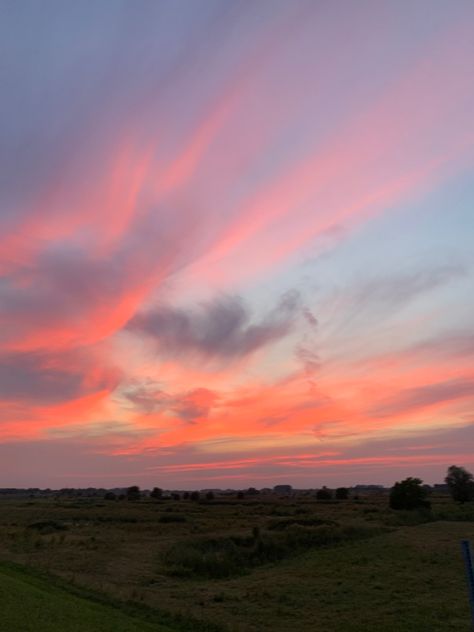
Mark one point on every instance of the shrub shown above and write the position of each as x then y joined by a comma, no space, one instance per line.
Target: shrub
342,493
47,526
324,494
409,494
133,493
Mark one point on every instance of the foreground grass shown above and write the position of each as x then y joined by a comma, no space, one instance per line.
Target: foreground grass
31,604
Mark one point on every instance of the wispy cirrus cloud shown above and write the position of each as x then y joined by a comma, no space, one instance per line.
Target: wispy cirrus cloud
410,399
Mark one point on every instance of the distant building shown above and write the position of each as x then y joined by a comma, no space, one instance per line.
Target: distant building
283,489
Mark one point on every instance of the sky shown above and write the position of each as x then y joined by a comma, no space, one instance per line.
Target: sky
236,242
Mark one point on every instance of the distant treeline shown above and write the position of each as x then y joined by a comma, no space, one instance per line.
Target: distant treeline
410,493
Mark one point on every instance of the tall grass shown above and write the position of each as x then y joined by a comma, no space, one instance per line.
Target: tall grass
227,556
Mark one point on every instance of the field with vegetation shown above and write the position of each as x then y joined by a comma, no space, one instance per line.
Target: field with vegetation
255,564
33,604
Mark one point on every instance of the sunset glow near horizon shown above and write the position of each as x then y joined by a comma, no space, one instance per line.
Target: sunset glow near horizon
236,242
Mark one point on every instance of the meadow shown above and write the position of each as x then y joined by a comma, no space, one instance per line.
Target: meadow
233,565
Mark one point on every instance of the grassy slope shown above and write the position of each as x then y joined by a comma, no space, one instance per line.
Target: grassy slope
30,604
411,580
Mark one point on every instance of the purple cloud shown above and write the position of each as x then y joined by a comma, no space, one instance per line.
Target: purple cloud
220,329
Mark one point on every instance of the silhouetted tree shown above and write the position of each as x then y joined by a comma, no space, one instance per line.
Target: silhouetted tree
324,494
194,495
133,493
210,495
252,491
409,494
342,493
110,496
175,496
186,495
156,493
240,495
460,483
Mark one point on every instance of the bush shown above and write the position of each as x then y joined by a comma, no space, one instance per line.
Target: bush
409,494
342,493
47,526
324,494
133,493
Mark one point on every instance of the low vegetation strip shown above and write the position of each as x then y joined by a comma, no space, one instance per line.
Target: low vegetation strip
30,604
226,556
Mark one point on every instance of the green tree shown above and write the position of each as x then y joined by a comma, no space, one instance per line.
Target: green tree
324,494
342,493
409,494
460,483
133,493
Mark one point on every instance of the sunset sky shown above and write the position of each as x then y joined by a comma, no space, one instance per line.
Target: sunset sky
236,242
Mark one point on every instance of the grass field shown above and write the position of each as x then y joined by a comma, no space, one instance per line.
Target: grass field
238,566
30,604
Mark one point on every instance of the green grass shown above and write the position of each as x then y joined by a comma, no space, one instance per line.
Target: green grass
266,565
31,604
